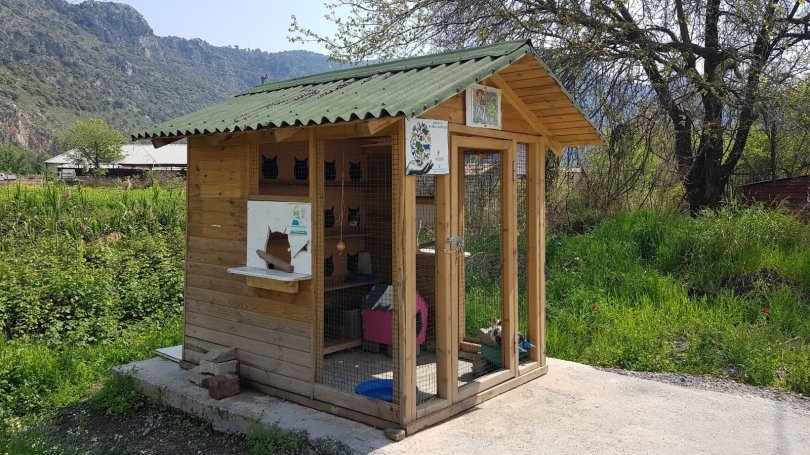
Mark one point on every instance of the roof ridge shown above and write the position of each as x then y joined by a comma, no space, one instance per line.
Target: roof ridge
406,64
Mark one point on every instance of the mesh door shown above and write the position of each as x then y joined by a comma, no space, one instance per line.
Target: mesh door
482,306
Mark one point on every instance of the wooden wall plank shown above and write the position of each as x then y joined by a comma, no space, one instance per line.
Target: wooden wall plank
248,344
199,347
267,321
265,335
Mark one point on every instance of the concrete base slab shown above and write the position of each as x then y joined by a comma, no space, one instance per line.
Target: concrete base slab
165,380
573,409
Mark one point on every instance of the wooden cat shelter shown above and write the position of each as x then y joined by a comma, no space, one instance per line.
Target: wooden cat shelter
407,198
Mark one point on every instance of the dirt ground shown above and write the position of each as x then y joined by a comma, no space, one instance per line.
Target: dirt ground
147,431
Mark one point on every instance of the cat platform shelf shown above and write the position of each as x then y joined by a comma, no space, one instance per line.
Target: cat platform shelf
354,234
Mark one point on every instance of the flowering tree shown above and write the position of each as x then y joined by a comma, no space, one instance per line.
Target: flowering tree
704,62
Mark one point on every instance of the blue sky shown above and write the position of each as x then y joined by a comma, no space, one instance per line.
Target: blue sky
251,24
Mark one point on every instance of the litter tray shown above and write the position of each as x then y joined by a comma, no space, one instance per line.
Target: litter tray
378,389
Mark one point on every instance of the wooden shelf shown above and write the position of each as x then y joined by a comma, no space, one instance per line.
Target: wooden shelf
331,345
337,285
277,198
284,182
356,235
347,184
274,280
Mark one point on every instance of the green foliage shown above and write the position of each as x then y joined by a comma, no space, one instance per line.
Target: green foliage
21,161
269,440
92,278
37,378
94,142
722,294
119,396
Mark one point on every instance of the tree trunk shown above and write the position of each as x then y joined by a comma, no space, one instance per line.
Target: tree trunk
705,183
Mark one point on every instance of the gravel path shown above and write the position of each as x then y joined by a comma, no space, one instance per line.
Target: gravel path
718,385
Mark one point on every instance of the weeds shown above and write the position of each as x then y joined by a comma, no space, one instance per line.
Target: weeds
724,294
91,278
118,396
269,440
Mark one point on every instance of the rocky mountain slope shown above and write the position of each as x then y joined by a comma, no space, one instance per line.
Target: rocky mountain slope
61,62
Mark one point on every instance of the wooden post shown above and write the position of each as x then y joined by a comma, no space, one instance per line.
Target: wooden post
446,282
316,195
541,345
509,256
535,175
404,280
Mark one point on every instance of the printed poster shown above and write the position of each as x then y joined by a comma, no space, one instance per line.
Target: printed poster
426,152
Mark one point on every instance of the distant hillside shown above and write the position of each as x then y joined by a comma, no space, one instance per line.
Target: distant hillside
62,62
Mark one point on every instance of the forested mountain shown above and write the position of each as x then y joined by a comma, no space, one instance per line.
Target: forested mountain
61,62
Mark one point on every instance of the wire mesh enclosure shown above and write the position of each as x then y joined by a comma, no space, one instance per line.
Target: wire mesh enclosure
521,182
426,264
481,308
358,324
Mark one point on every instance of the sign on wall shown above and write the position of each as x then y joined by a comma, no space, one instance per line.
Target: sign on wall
484,107
290,219
426,152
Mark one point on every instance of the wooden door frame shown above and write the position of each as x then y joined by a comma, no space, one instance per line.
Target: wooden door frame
450,210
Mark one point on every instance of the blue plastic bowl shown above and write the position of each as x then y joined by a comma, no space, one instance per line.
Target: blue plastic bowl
378,389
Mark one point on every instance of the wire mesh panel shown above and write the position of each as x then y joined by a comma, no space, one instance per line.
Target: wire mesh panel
358,323
521,170
426,263
481,309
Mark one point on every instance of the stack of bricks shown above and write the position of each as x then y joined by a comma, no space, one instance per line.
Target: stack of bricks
219,373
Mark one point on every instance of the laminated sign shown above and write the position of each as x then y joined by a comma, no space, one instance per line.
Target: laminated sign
426,150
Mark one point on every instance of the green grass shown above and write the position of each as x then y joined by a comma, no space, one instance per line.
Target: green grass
724,294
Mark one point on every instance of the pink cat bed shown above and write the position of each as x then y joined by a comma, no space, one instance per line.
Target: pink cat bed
377,316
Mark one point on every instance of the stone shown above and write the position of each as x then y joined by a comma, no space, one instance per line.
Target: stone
220,355
219,368
395,434
199,378
223,386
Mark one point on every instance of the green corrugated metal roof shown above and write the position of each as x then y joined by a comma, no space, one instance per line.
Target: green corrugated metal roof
405,87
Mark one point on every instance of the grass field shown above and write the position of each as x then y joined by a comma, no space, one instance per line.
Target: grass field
92,278
725,294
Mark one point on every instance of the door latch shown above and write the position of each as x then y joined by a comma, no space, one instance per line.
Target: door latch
457,245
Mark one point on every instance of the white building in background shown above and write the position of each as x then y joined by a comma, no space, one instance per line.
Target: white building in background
137,158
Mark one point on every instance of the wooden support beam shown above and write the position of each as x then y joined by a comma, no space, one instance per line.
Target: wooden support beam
316,197
535,199
404,280
465,130
283,134
374,126
527,114
509,261
159,142
358,128
446,283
